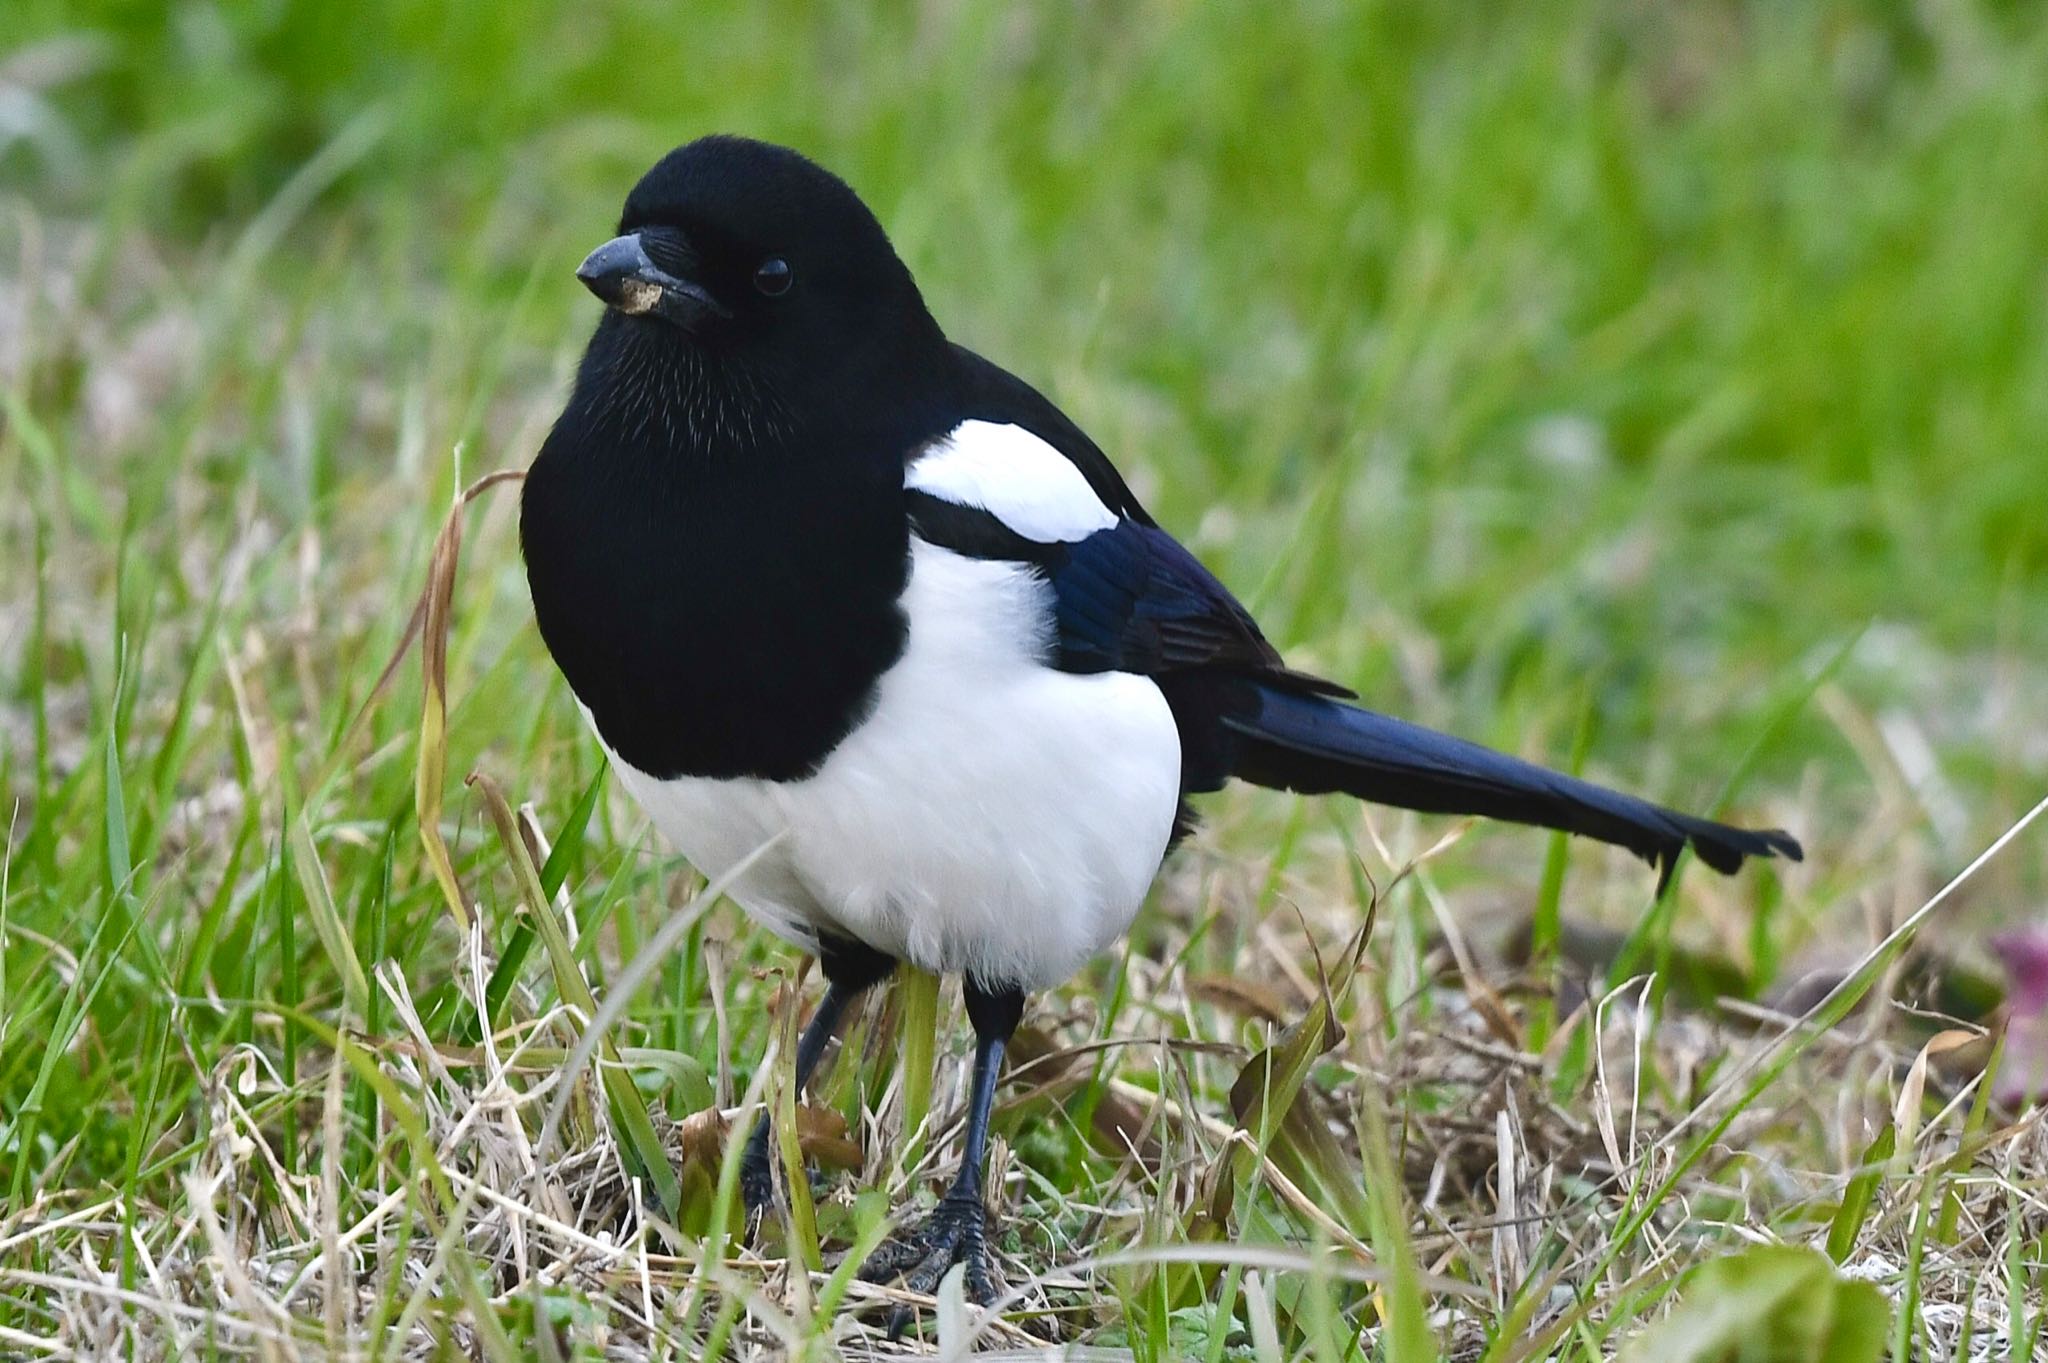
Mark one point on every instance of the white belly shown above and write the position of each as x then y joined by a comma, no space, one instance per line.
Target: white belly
991,815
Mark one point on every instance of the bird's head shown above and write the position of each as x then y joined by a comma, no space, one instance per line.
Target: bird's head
746,252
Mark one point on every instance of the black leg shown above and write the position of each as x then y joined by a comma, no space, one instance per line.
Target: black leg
850,970
957,1231
995,1014
757,1177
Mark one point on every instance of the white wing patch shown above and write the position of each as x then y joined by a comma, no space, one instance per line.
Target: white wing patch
1010,473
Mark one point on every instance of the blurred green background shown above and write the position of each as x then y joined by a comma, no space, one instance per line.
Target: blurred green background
1600,367
1641,349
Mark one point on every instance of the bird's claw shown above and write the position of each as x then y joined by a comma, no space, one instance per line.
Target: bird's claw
757,1183
956,1232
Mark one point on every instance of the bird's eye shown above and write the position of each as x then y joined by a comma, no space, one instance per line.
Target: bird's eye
773,277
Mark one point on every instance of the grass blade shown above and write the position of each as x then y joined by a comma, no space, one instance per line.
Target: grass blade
568,843
311,876
638,1141
1860,1195
917,994
1651,935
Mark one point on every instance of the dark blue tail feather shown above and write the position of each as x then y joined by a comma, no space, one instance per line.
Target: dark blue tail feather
1315,745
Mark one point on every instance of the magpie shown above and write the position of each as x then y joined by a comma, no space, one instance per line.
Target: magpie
813,570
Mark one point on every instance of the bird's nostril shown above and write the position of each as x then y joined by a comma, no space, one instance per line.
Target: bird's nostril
669,250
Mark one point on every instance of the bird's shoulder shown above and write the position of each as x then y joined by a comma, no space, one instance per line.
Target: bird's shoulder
989,393
1014,479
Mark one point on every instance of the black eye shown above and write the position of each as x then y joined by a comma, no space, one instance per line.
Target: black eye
773,277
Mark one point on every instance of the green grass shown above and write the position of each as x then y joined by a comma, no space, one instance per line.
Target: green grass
1582,378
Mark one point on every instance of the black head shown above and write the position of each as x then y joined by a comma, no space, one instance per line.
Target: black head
746,252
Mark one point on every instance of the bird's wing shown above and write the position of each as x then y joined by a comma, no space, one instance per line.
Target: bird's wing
1023,484
1127,597
995,394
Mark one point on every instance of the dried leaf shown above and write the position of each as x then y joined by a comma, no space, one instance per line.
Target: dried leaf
433,613
1913,1090
1236,994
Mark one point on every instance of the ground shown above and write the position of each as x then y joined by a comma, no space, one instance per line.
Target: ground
1657,390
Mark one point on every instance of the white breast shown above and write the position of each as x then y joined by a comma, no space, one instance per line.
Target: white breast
991,815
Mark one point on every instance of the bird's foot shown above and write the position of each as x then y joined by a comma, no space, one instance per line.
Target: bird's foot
759,1196
757,1178
956,1232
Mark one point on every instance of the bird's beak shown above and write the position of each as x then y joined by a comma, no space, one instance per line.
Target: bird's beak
620,274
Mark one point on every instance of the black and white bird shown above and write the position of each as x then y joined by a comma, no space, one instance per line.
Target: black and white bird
814,571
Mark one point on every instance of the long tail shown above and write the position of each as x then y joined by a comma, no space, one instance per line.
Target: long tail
1315,745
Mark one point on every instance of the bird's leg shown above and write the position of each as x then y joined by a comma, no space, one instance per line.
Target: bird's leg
850,969
957,1230
757,1177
